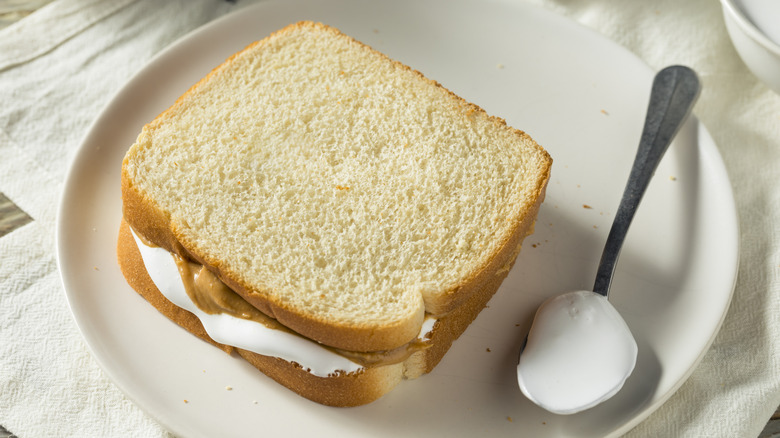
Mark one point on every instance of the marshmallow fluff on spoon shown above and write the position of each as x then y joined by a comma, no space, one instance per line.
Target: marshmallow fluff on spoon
580,351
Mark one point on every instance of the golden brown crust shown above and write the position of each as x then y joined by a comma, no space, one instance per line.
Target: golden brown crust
156,226
345,390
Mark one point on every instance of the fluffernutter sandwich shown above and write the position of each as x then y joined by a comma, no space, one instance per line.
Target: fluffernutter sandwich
331,215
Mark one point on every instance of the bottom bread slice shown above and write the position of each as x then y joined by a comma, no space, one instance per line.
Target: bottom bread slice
345,389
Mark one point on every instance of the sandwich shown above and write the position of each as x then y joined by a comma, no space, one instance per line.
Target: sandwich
330,215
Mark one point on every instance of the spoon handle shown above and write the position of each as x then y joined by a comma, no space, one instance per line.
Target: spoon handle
675,90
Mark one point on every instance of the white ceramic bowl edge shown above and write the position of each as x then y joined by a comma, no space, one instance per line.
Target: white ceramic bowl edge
760,54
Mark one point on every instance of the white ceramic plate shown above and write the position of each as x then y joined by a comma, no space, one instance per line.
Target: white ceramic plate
575,92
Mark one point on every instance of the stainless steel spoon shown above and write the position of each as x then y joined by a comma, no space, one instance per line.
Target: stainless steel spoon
579,351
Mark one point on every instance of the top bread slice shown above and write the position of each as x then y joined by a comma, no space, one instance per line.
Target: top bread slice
336,190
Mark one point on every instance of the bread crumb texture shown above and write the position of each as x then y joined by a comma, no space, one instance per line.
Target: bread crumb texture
341,182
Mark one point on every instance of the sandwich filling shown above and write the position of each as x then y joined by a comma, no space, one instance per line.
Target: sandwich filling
229,319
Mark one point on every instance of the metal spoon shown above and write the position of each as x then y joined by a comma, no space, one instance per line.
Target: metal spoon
579,351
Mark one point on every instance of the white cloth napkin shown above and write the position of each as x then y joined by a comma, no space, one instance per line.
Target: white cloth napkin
59,66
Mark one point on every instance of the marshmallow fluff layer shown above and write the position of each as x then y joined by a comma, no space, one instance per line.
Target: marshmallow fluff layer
243,333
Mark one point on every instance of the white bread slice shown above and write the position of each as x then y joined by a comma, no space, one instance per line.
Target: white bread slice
336,190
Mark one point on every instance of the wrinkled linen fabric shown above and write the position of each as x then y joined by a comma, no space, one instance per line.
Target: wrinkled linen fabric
62,64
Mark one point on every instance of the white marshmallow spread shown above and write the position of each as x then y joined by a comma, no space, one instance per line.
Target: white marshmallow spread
243,333
579,353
